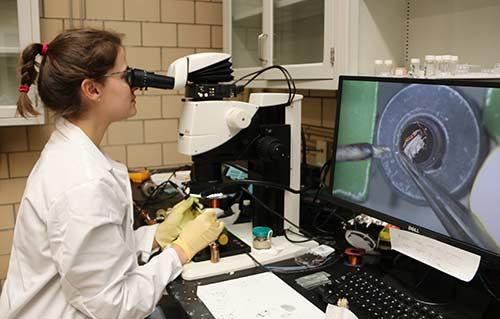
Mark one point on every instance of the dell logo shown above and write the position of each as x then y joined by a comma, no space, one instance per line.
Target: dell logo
414,229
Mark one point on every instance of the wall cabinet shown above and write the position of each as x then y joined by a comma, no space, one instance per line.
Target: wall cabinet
319,40
297,34
19,26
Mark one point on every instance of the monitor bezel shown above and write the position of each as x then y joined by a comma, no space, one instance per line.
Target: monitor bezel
488,257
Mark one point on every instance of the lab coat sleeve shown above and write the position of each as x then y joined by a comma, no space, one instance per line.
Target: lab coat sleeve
91,244
144,237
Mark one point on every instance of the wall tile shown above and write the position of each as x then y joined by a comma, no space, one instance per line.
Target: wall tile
38,136
169,55
126,132
109,9
311,111
193,36
161,130
171,155
21,164
216,37
4,166
148,107
11,190
117,153
141,10
329,109
6,241
4,264
209,13
172,106
159,34
61,9
49,28
145,155
95,24
13,139
177,11
144,58
131,31
208,50
6,217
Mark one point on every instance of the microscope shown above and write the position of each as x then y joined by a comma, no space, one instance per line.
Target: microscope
263,133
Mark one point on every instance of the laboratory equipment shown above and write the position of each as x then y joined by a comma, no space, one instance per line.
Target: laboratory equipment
438,143
388,68
379,67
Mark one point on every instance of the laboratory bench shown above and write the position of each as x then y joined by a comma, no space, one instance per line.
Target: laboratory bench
461,300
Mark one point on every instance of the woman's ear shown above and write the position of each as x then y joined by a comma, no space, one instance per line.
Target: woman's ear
91,91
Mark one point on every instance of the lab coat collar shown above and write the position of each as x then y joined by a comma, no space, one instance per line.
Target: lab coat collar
76,134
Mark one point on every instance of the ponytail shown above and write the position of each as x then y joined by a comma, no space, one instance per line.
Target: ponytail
28,73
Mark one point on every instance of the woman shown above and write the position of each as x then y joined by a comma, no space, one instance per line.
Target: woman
74,252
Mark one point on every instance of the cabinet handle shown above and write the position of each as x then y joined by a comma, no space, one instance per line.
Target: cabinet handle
260,39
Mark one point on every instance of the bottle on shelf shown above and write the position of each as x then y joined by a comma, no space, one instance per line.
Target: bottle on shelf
414,71
379,67
430,66
453,64
445,66
388,68
439,65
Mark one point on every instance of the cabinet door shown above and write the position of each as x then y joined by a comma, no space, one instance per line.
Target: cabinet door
297,34
19,26
244,35
302,37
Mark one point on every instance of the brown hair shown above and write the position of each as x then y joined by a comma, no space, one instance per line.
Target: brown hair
73,55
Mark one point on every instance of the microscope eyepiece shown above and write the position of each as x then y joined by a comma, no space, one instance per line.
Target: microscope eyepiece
142,79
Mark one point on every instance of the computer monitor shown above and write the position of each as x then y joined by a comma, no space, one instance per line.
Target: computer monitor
423,155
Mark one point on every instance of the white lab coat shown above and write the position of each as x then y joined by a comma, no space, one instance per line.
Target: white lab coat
74,253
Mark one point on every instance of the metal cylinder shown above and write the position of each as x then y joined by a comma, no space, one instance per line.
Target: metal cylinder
214,252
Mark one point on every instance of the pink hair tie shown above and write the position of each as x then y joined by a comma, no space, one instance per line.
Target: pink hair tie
45,48
24,88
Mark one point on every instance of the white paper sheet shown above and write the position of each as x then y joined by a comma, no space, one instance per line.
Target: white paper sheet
258,296
451,260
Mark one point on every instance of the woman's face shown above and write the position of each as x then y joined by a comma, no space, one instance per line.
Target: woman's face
118,98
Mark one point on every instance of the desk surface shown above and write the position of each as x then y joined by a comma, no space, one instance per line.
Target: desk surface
470,302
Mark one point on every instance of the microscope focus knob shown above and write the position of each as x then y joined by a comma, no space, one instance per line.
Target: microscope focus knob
271,148
238,118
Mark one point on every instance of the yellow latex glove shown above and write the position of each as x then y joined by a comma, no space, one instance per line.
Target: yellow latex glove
170,228
198,233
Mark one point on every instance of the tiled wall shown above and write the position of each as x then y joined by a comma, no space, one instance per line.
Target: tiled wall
156,33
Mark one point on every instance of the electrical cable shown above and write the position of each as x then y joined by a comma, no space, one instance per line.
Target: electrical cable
289,80
160,187
253,182
487,288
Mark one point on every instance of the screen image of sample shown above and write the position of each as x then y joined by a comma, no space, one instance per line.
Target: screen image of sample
429,147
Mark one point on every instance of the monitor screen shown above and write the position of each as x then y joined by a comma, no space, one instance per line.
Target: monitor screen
422,154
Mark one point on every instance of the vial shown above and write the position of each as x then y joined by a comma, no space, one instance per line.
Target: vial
445,66
438,68
379,67
387,70
430,66
414,68
453,64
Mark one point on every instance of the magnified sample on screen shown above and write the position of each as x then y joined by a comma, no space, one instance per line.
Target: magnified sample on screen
426,154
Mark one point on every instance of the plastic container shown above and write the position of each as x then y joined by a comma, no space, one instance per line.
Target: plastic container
262,237
430,66
414,71
379,67
388,68
445,66
453,64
